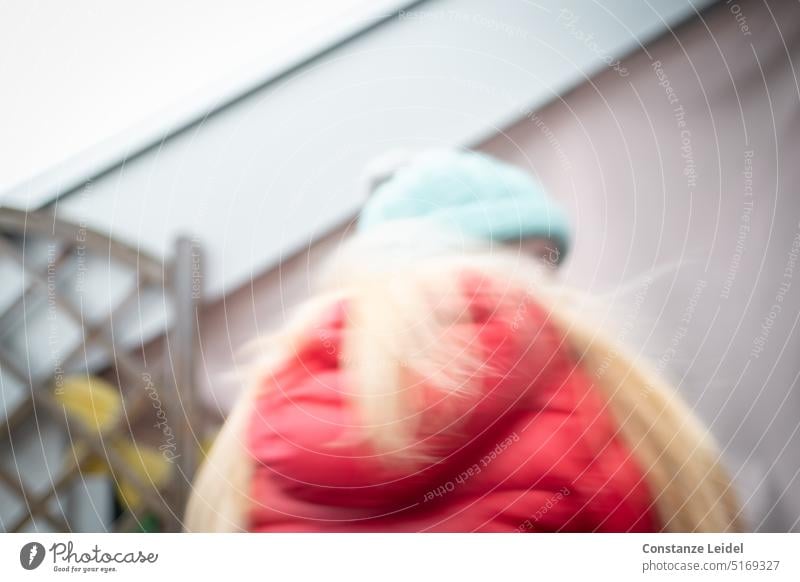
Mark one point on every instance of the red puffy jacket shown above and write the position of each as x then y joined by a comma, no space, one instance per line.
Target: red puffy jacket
534,450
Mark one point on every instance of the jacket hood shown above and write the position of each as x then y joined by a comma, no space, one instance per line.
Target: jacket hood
306,435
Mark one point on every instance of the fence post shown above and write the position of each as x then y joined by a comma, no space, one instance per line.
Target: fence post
187,294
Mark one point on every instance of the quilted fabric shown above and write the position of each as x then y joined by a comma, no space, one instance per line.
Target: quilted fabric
534,449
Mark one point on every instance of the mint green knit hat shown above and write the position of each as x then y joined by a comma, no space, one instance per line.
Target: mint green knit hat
470,193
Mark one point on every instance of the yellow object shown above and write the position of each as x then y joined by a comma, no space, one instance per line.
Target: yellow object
149,464
93,402
97,405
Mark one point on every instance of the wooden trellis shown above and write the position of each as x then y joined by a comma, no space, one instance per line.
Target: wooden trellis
103,346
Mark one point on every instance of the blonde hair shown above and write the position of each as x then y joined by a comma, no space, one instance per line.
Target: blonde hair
402,296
